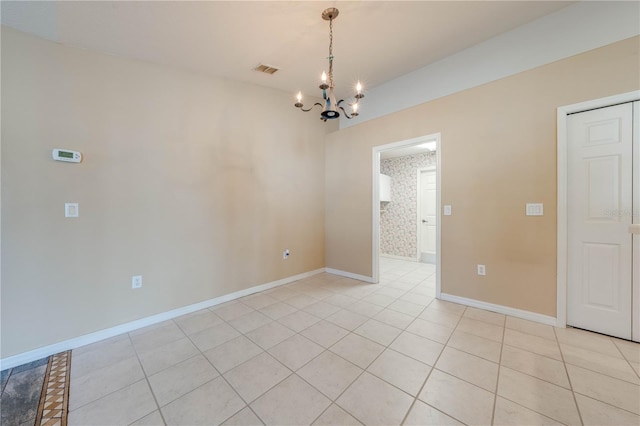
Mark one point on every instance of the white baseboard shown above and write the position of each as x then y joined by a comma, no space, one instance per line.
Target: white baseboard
349,275
501,309
428,258
393,256
76,342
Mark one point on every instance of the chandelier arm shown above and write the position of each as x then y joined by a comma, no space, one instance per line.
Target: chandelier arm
350,104
310,108
346,114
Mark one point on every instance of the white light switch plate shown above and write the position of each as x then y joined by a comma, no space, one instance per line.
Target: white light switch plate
447,210
535,209
71,210
482,270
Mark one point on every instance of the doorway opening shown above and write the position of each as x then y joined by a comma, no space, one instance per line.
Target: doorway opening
407,160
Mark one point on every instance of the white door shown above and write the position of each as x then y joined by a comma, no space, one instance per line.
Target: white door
427,216
599,206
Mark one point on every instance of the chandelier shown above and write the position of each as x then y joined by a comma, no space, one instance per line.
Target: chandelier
331,109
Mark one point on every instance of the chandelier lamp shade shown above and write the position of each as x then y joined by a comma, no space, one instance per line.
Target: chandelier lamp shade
332,109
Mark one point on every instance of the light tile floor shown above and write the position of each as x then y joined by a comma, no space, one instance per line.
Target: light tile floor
329,350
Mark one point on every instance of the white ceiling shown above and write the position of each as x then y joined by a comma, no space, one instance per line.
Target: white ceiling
374,41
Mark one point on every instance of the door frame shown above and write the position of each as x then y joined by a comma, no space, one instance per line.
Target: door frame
562,236
375,205
418,209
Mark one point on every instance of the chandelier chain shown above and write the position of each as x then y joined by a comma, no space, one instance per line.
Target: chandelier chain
331,52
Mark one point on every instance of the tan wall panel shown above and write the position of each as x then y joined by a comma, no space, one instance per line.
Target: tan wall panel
498,153
197,184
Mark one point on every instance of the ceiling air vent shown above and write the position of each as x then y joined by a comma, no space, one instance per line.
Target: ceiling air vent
266,69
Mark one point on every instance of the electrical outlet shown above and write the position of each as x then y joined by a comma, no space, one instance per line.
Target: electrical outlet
136,281
482,270
285,254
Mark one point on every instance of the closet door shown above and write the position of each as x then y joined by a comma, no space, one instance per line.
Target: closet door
600,205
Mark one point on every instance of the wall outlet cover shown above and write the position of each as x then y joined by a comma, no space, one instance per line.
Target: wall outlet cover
136,281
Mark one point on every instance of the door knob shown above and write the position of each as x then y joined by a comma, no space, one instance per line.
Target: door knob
633,229
425,221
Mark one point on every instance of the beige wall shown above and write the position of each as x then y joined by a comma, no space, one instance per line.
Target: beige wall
196,183
498,153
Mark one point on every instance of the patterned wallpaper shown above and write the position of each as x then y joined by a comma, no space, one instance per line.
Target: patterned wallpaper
398,234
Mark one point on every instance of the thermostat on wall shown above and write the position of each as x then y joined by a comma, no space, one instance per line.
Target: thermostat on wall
67,155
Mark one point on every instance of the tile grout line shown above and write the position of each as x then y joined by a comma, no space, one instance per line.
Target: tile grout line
146,378
333,403
540,379
327,349
247,404
566,370
609,404
624,357
267,349
187,336
535,377
595,371
495,394
364,370
563,362
431,371
371,363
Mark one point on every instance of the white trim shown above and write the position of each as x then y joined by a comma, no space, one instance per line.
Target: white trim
635,219
561,244
350,275
375,223
76,342
438,215
428,258
562,256
375,201
393,256
501,309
